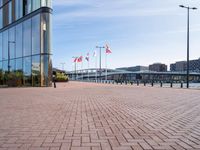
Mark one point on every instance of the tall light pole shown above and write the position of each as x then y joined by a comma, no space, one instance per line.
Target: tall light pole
9,42
188,38
63,66
100,48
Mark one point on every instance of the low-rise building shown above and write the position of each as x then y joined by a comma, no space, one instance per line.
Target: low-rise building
134,68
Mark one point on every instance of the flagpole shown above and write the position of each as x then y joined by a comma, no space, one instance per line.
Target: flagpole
88,69
96,67
82,69
106,68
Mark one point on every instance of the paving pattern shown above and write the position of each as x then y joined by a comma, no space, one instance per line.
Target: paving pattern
89,116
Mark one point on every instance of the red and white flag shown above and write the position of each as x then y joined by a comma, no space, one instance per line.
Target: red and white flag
108,50
80,59
76,59
87,57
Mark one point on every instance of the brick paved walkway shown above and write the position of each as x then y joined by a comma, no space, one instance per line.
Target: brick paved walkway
88,116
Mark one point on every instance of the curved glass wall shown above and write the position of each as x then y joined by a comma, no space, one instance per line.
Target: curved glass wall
25,48
13,10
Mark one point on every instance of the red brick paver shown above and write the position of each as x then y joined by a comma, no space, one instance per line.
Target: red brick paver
88,116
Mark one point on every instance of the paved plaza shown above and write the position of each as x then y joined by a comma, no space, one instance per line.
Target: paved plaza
89,116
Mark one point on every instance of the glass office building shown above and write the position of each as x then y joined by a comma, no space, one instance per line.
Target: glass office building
25,43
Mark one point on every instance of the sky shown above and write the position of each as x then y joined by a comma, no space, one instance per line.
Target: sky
139,32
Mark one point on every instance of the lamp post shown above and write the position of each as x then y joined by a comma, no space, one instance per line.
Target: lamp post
63,66
188,38
9,42
100,47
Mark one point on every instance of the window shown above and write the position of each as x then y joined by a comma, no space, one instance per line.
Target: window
27,38
46,34
1,3
1,19
19,52
5,66
12,65
27,71
36,70
10,12
45,70
18,9
1,46
36,35
27,7
11,42
5,15
19,67
1,74
35,4
5,45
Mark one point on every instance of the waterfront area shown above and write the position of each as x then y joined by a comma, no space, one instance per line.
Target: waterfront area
91,116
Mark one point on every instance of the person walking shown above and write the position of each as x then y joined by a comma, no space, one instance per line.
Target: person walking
54,79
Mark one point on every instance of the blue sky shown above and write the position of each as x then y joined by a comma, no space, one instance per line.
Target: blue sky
138,32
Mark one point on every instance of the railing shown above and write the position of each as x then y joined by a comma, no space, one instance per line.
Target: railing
146,84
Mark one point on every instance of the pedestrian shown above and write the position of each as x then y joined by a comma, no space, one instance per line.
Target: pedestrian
54,80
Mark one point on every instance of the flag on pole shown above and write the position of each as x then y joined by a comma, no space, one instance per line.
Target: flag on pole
80,59
87,57
76,59
108,50
94,54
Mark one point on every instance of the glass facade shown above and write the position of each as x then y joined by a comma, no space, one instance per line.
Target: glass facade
25,44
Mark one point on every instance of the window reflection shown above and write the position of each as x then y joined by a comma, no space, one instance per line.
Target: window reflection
5,45
1,74
19,40
1,46
36,35
27,39
36,74
36,4
11,42
27,71
18,9
46,35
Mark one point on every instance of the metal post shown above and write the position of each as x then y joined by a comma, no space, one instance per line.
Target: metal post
188,38
100,47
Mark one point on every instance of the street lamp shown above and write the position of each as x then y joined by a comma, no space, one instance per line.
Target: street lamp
188,38
63,66
9,42
100,47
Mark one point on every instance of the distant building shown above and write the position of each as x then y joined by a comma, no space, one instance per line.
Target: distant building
158,67
135,68
195,65
173,67
181,66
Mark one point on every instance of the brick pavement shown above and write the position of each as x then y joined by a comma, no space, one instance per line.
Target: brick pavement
89,116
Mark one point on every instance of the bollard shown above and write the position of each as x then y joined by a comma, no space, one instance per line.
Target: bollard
152,83
171,85
131,83
138,83
144,83
161,84
181,84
